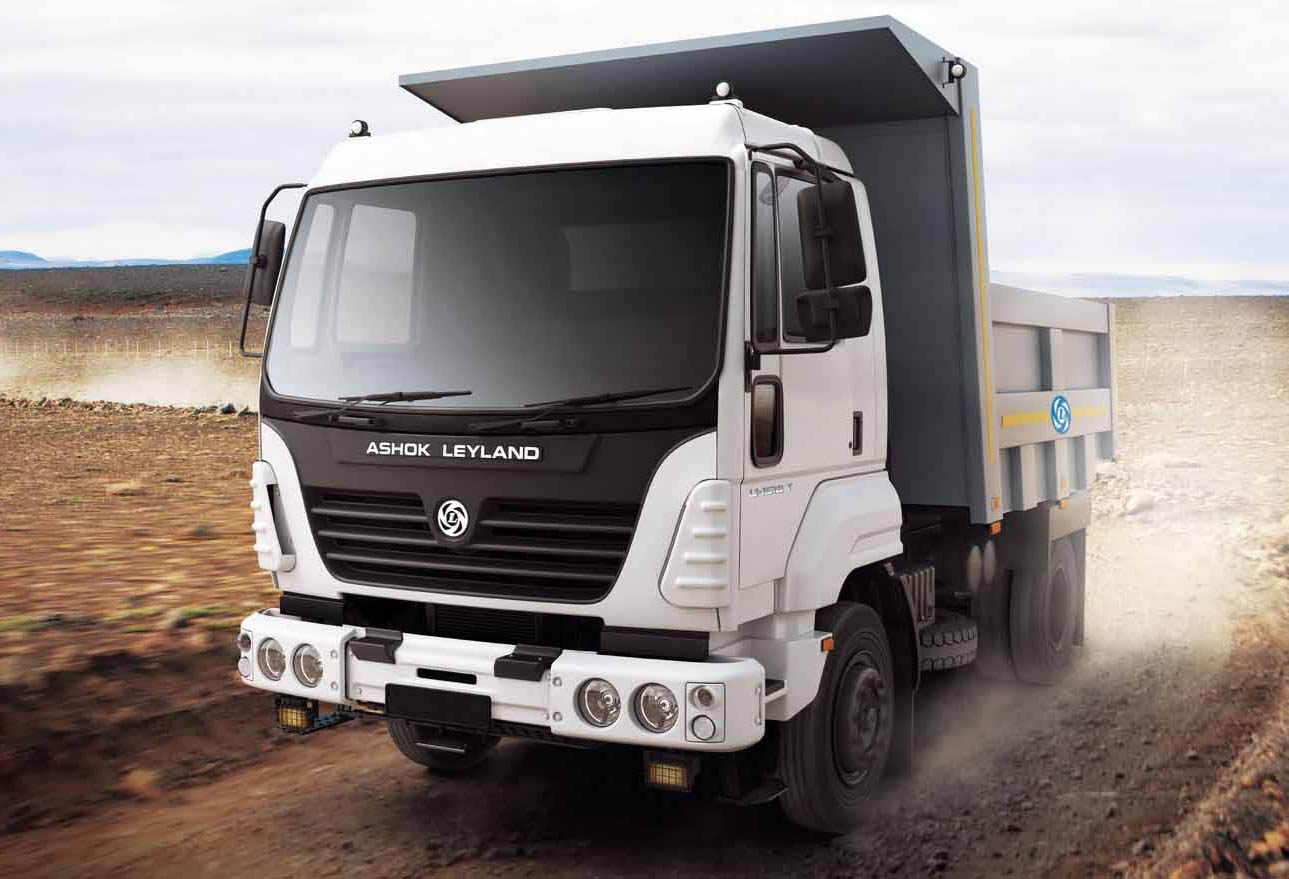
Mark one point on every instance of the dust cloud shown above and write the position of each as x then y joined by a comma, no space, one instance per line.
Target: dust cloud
1177,556
162,381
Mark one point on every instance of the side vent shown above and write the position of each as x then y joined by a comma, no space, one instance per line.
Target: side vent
697,573
268,548
919,585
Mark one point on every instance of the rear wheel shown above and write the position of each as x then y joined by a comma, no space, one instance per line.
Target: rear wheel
468,749
1045,610
833,753
949,642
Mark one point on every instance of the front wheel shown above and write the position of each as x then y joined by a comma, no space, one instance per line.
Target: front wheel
474,748
833,753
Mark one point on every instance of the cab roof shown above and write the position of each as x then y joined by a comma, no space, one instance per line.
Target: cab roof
718,130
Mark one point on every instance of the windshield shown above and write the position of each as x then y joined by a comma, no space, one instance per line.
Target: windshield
520,287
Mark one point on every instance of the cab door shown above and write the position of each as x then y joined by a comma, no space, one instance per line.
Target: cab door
810,416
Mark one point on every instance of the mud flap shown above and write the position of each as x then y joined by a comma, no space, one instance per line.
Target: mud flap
1080,541
991,609
907,676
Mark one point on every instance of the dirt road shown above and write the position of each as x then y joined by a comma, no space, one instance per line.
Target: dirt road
1188,591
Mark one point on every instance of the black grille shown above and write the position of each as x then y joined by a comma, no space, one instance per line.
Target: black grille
561,550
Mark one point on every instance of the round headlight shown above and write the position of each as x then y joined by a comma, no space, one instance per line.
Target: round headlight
244,642
308,665
598,702
656,708
272,659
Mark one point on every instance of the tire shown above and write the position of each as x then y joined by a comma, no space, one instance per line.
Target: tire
1045,610
949,642
834,752
477,749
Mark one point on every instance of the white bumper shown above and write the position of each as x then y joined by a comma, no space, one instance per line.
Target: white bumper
738,715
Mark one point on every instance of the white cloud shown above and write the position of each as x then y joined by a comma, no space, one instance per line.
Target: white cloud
1117,136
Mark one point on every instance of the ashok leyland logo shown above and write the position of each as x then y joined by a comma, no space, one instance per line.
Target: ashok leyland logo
452,518
1061,414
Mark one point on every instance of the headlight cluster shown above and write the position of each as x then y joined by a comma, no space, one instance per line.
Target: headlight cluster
655,706
306,662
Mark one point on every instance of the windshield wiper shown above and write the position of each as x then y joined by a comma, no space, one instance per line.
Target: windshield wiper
611,397
539,420
381,398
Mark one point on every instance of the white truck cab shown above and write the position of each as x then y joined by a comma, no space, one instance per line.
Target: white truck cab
671,425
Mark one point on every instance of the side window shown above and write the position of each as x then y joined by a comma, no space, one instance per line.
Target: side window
791,269
380,249
312,272
765,282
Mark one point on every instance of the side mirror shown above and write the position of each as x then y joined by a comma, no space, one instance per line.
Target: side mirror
841,225
266,262
850,307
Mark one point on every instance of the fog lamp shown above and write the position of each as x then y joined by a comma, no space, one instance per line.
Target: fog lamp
670,771
272,659
656,708
308,665
598,702
295,715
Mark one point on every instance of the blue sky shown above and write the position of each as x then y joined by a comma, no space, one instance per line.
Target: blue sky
1118,137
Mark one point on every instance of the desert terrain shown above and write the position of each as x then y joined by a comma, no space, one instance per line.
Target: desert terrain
128,748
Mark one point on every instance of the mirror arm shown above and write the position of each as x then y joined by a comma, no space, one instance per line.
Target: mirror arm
256,263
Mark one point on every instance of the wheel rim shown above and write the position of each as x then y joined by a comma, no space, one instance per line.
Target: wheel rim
1059,610
861,720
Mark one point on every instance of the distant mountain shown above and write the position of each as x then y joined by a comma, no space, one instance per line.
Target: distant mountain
238,257
21,259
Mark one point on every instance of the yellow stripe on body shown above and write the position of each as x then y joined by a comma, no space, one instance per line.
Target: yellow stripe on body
984,314
1020,418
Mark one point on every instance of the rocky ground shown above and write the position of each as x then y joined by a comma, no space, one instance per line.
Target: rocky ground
119,289
126,748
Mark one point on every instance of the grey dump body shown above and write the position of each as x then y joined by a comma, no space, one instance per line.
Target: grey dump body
974,370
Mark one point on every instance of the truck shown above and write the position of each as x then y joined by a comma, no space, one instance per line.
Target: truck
662,401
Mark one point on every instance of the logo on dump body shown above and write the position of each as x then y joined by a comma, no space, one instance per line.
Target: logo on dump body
1061,414
452,518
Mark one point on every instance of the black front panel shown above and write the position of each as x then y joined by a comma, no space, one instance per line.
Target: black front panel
553,527
560,550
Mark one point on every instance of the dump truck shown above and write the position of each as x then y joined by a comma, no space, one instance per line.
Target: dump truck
661,400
